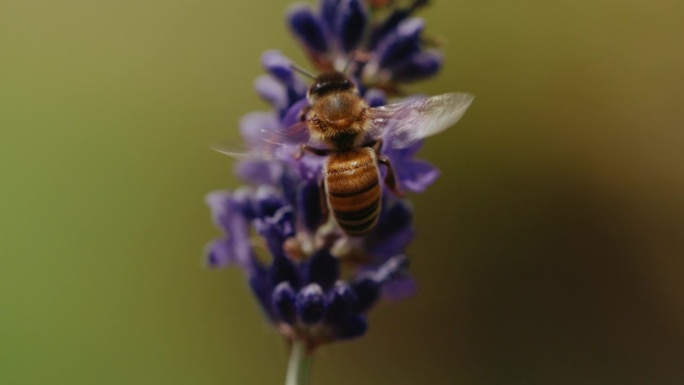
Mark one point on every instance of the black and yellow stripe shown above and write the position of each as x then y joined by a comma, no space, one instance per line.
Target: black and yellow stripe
353,190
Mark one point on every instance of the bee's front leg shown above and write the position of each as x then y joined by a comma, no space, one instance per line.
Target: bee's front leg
311,150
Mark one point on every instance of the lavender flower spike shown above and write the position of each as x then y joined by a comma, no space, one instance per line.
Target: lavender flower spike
321,276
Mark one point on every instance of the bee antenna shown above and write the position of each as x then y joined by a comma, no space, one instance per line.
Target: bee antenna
302,71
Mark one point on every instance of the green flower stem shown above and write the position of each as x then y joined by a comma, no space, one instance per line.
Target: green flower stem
299,367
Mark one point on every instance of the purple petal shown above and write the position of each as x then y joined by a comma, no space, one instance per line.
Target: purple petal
268,201
284,302
311,304
418,67
307,28
329,12
351,24
260,283
228,214
323,269
399,288
276,229
341,302
310,168
280,69
417,175
388,26
393,20
401,44
283,270
218,254
293,116
219,204
275,63
367,291
271,91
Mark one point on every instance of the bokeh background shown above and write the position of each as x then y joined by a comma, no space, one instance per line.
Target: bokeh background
550,251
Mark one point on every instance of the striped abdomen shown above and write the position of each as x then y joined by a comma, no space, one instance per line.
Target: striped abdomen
353,190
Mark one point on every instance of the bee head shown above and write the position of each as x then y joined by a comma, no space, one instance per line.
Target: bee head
329,82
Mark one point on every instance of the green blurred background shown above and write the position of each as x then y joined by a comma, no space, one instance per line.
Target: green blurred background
550,251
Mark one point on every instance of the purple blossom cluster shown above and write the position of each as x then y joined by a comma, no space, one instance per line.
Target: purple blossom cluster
314,283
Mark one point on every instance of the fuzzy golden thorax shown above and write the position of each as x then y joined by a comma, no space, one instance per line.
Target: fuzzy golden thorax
338,119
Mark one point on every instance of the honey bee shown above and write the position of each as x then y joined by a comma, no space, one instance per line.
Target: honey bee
352,134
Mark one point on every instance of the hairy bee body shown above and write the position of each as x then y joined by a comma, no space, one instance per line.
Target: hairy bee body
352,186
350,135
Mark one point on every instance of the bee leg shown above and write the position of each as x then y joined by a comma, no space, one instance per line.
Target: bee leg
390,178
304,148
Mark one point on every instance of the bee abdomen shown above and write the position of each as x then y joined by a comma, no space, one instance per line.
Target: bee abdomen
353,189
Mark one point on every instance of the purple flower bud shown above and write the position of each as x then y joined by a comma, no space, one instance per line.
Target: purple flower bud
276,229
284,302
418,67
352,327
283,270
341,302
367,292
292,116
268,200
292,86
271,91
260,283
393,20
329,12
228,214
323,269
401,44
276,64
388,26
218,254
307,28
311,304
350,24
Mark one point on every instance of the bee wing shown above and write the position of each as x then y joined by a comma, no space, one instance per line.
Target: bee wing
270,143
403,124
273,137
264,142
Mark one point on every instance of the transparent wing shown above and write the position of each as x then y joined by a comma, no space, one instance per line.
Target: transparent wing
268,138
264,141
402,124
